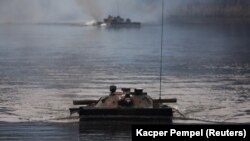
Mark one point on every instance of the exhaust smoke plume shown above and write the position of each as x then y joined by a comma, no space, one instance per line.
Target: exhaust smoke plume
33,11
142,10
92,8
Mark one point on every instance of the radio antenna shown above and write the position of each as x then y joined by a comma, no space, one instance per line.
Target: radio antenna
162,22
118,8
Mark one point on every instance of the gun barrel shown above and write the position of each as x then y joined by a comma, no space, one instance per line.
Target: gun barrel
168,100
84,102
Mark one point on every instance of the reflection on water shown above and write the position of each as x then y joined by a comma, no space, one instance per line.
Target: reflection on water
40,131
107,131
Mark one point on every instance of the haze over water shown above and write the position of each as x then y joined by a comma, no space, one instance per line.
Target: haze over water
44,67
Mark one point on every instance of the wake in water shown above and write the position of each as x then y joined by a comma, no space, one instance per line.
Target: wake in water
91,23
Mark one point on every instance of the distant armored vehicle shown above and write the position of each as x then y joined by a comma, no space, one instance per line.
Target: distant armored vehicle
117,21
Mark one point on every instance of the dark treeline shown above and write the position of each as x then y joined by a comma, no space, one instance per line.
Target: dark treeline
213,8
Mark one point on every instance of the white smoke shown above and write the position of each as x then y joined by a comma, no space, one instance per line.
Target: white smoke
38,10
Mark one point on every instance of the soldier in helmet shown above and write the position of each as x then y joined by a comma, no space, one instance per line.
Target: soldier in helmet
112,89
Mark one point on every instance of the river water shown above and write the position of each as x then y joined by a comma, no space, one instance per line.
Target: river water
44,67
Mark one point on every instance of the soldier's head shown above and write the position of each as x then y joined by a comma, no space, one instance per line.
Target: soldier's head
112,88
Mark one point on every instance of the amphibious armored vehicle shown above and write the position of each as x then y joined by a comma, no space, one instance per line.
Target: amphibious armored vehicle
125,105
117,21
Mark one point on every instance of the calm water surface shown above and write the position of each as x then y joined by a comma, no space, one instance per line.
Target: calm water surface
44,67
